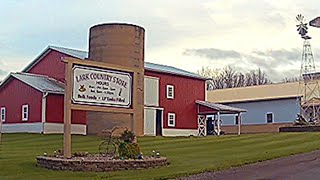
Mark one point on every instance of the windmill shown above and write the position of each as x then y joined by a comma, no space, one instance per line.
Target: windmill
315,22
308,86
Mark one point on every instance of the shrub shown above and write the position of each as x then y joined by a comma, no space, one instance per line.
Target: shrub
122,150
127,148
127,136
133,150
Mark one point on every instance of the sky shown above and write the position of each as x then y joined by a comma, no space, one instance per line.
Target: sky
188,34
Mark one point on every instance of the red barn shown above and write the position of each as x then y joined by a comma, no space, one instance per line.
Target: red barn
32,101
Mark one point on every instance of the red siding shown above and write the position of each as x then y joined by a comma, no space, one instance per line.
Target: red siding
203,109
51,65
54,112
186,92
15,94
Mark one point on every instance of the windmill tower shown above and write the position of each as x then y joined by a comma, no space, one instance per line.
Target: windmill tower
308,85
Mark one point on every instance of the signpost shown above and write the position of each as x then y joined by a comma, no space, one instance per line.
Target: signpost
96,86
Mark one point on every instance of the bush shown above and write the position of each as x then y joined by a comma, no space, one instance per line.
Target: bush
127,136
127,148
133,150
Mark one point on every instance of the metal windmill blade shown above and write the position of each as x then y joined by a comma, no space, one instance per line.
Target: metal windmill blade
302,29
302,26
300,18
315,22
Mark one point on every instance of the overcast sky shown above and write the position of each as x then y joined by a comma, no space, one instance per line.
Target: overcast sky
188,34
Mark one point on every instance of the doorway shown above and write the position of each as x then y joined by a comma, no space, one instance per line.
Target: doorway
210,126
159,114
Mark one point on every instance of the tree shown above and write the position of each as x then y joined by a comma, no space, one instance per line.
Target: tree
290,79
228,77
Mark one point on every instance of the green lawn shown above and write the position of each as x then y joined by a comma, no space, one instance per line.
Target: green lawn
186,155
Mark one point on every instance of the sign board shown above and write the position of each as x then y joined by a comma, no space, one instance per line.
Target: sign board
101,87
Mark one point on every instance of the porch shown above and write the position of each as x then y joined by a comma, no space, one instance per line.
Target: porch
206,108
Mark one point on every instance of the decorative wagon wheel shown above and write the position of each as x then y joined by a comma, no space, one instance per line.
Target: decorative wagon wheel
109,144
108,147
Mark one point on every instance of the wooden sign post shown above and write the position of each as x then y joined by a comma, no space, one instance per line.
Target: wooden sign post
97,86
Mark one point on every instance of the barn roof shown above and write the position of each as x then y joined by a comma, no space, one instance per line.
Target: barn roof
255,93
39,82
84,54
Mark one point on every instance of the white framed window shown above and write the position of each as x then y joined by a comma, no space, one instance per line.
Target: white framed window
171,119
269,117
3,113
170,92
25,112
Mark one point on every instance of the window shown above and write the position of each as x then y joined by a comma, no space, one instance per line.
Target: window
236,119
269,117
25,112
170,92
3,114
171,119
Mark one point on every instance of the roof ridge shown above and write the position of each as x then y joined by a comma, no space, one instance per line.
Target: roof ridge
39,75
62,47
31,74
169,66
81,54
255,86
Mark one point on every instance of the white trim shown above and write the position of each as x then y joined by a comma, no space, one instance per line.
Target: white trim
3,112
205,91
151,77
49,128
57,128
22,128
44,107
179,132
266,118
151,107
23,112
167,92
174,119
162,118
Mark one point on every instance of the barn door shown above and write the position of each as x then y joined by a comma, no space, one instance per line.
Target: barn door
150,121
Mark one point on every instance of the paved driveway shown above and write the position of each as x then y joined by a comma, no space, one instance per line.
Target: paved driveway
302,166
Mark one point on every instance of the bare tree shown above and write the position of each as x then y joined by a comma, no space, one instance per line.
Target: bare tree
229,78
290,79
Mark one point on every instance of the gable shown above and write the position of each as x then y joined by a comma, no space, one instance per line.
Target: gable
50,65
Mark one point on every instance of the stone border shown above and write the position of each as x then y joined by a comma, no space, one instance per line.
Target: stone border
98,165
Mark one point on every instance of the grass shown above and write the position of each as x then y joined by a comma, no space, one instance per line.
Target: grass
186,155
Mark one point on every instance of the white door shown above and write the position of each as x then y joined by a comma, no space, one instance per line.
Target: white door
150,121
151,91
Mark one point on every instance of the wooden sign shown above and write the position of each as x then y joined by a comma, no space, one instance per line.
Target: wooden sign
91,86
102,87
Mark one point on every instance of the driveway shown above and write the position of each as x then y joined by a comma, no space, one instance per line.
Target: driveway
302,166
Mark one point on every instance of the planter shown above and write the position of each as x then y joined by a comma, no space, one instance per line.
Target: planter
99,164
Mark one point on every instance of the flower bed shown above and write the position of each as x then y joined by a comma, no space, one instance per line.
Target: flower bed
99,163
116,153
